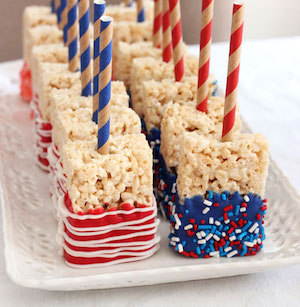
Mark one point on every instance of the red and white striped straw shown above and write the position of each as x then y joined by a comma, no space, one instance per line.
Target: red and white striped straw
167,36
205,42
233,71
157,33
177,42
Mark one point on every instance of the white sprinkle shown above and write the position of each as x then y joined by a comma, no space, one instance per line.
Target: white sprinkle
246,198
173,188
180,248
243,209
157,141
238,230
173,209
231,254
203,241
172,230
167,198
249,244
170,203
217,223
227,249
172,243
223,234
253,227
232,238
215,254
176,239
258,240
155,160
207,202
187,227
204,211
256,231
209,236
178,222
211,220
217,238
152,144
254,242
198,234
226,221
203,234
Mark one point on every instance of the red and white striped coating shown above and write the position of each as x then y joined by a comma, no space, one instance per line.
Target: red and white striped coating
167,36
205,42
157,33
177,42
233,71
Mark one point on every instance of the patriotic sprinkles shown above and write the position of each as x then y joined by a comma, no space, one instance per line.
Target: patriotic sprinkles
219,225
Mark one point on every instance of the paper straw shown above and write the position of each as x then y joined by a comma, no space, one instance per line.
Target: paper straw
73,35
128,3
99,8
205,42
57,11
85,49
157,23
177,39
64,20
52,6
233,71
63,5
167,36
106,36
140,11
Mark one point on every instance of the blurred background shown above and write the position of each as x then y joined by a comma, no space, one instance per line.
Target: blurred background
264,19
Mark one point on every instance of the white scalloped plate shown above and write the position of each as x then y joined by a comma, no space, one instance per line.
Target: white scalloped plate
33,258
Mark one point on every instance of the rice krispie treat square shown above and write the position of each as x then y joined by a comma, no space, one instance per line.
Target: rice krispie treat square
34,16
42,35
207,164
127,53
75,124
179,119
144,69
124,175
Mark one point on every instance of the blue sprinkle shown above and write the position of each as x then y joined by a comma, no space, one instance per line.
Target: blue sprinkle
203,246
176,248
221,250
237,210
212,249
187,211
244,250
256,236
170,236
183,243
207,250
194,240
218,233
226,228
204,227
210,194
221,219
211,241
246,226
240,236
230,214
198,251
213,229
221,227
251,238
172,218
247,238
223,254
226,245
223,196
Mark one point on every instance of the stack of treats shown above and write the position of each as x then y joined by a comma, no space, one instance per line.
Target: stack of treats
208,177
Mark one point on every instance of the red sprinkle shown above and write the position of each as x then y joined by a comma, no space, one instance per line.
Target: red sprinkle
244,214
180,215
190,233
258,216
264,207
202,222
227,209
265,200
194,255
195,227
192,221
244,205
216,205
231,229
225,215
185,254
233,224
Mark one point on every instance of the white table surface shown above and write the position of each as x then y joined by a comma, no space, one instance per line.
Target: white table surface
269,96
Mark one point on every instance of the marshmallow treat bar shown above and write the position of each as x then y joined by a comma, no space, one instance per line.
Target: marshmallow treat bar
144,69
220,208
109,181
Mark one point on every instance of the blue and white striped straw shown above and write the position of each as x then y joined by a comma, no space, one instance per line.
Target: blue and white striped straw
64,20
106,35
99,8
140,11
73,35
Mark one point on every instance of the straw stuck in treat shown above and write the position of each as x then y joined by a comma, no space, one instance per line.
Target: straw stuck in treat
233,71
57,10
167,36
85,50
157,23
64,20
73,35
106,34
140,11
99,8
205,42
177,42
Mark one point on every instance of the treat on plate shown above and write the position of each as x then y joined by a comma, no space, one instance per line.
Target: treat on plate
220,206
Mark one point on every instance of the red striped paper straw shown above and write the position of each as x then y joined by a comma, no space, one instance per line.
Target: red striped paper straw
205,42
233,71
167,36
157,35
177,39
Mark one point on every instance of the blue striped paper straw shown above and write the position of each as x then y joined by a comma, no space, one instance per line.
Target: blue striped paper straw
73,35
52,6
140,11
106,35
85,49
99,8
57,5
64,20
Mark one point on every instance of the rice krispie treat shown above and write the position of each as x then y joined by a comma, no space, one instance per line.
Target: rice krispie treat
220,207
124,176
144,69
127,53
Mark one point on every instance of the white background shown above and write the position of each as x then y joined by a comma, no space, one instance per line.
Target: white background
270,102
